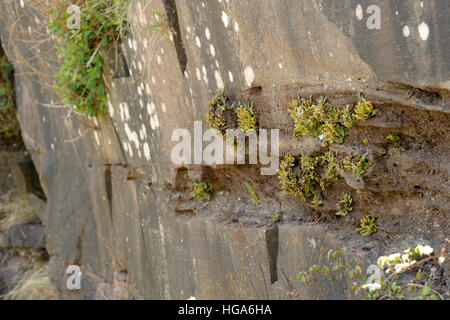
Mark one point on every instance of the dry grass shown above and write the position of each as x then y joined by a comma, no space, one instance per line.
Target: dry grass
15,210
32,284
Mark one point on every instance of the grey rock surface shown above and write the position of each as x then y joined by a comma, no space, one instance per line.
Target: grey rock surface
24,236
119,207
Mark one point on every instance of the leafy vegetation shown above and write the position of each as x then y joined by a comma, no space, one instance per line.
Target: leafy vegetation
387,284
364,109
325,121
344,205
222,108
420,260
393,137
246,117
302,186
79,79
203,191
314,277
9,126
356,163
368,226
218,105
255,198
276,217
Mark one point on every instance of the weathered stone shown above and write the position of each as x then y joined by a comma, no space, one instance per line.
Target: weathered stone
121,209
24,236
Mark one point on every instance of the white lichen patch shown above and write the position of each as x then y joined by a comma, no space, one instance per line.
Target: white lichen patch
219,80
230,76
212,50
424,31
405,31
249,75
359,12
225,19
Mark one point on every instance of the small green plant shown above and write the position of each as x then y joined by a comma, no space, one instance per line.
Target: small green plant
251,190
345,205
320,120
315,202
314,276
287,177
315,172
218,106
364,109
325,121
276,217
223,114
356,163
393,137
368,226
246,117
9,126
79,79
203,191
329,159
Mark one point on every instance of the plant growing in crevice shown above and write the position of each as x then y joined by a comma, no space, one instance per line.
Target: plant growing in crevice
79,79
304,185
344,205
226,114
203,191
393,137
325,121
364,109
368,226
246,117
356,163
315,172
215,116
255,199
276,217
287,177
9,126
330,161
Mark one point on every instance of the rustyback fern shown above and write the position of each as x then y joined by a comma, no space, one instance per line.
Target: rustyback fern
325,121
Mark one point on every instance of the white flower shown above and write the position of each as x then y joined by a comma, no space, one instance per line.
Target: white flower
441,260
424,250
382,261
372,286
395,257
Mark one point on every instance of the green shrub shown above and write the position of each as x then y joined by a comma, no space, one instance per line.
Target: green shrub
218,105
368,226
203,191
325,121
79,79
9,126
356,163
255,198
364,109
246,117
344,205
393,137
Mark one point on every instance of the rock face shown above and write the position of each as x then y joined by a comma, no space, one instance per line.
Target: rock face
121,209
